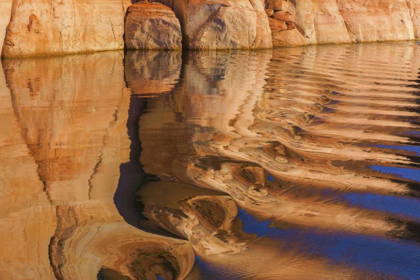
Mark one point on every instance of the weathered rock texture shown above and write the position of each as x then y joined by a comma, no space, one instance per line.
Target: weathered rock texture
44,27
220,24
152,26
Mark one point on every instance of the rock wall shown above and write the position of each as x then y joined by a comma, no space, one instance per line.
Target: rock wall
41,27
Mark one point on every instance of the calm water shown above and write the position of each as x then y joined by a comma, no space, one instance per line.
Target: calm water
299,163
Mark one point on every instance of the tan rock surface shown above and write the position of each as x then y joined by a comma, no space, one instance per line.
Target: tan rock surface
377,20
5,12
152,26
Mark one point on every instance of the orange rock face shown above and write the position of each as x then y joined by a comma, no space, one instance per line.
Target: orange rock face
46,27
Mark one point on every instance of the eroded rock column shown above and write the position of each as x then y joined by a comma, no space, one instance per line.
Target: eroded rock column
151,26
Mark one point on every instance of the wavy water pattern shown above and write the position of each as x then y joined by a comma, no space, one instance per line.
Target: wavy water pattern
299,163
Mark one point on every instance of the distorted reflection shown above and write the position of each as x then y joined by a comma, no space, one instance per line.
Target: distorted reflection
297,163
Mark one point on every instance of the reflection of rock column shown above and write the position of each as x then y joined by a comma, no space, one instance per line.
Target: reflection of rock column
27,217
146,74
212,85
75,128
193,138
151,73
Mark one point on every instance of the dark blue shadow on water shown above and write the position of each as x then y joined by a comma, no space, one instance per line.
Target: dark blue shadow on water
415,149
406,173
252,225
368,253
402,206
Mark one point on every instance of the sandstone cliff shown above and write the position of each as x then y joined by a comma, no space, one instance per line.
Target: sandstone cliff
42,27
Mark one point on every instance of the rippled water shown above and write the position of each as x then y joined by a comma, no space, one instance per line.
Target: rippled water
300,163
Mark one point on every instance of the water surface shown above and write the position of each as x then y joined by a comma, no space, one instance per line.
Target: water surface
299,163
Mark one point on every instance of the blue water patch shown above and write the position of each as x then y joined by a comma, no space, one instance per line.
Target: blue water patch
415,149
405,206
369,253
406,173
252,225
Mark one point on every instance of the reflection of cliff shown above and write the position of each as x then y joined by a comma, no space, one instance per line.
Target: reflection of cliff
67,140
298,141
264,165
25,206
